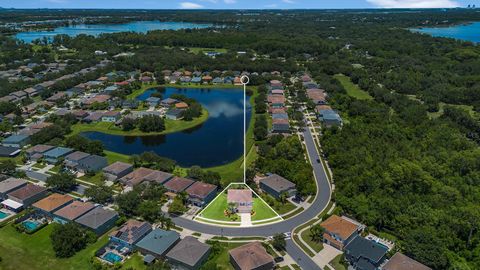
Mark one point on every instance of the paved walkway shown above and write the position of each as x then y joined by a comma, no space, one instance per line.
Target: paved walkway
246,219
326,255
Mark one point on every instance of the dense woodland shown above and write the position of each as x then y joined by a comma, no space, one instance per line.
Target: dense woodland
404,173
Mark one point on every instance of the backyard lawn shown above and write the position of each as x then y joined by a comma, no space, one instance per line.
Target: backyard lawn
35,252
352,89
222,258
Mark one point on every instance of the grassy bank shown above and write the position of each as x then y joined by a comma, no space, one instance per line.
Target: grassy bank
171,126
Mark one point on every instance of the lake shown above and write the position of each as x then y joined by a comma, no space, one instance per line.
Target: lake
468,32
217,141
97,29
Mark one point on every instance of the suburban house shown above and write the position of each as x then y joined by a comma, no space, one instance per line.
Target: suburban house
276,101
200,193
158,177
71,160
53,156
157,243
276,185
6,151
181,105
9,185
178,184
242,198
168,102
72,211
117,170
111,116
189,253
339,231
153,101
402,262
174,114
36,152
318,96
130,233
99,220
93,117
136,177
330,118
24,197
92,163
52,203
364,254
251,256
19,141
280,126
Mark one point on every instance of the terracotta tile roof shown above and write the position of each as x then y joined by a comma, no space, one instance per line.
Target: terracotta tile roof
75,210
339,226
251,256
200,189
178,184
402,262
181,105
239,195
53,202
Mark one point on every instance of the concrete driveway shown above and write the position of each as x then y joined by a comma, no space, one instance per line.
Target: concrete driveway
326,255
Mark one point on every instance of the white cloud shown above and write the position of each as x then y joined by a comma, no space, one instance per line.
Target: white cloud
414,3
288,1
230,1
190,5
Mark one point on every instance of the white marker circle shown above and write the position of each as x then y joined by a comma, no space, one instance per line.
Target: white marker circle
245,80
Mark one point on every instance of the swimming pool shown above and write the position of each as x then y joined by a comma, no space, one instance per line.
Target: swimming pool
30,225
112,257
3,215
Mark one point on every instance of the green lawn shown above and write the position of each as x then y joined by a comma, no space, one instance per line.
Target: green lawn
197,50
135,262
352,89
215,210
336,263
138,92
279,207
114,157
262,210
96,179
442,105
39,165
171,126
222,259
317,246
35,252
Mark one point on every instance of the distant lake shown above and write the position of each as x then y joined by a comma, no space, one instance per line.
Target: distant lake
468,32
218,141
97,29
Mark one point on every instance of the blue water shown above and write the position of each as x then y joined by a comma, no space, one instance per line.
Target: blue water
112,257
218,141
3,215
30,225
97,29
469,32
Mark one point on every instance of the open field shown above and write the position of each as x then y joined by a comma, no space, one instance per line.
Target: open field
352,89
197,50
35,252
466,108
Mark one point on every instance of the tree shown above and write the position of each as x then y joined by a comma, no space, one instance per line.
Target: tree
128,124
150,211
8,167
316,233
151,123
278,241
159,265
61,181
177,206
99,194
68,239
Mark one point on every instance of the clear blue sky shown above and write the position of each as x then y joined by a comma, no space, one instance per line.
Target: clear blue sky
234,4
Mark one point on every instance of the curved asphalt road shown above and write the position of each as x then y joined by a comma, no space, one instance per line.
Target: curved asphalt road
319,204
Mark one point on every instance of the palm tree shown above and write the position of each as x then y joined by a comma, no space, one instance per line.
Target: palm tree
232,208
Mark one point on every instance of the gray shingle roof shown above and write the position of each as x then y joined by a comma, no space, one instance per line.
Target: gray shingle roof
96,218
277,183
189,251
158,241
360,247
11,184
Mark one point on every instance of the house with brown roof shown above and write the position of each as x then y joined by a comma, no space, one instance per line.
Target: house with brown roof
73,211
339,231
403,262
9,185
252,256
117,170
130,233
178,184
181,105
25,196
136,177
200,193
242,198
52,203
158,177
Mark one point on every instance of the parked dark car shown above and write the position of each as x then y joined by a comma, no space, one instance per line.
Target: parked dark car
279,259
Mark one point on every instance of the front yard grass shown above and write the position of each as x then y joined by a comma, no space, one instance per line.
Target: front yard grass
337,264
262,210
35,252
317,246
222,258
215,210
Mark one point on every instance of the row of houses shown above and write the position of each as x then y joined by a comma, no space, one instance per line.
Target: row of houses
276,101
19,73
199,193
326,114
38,88
363,253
